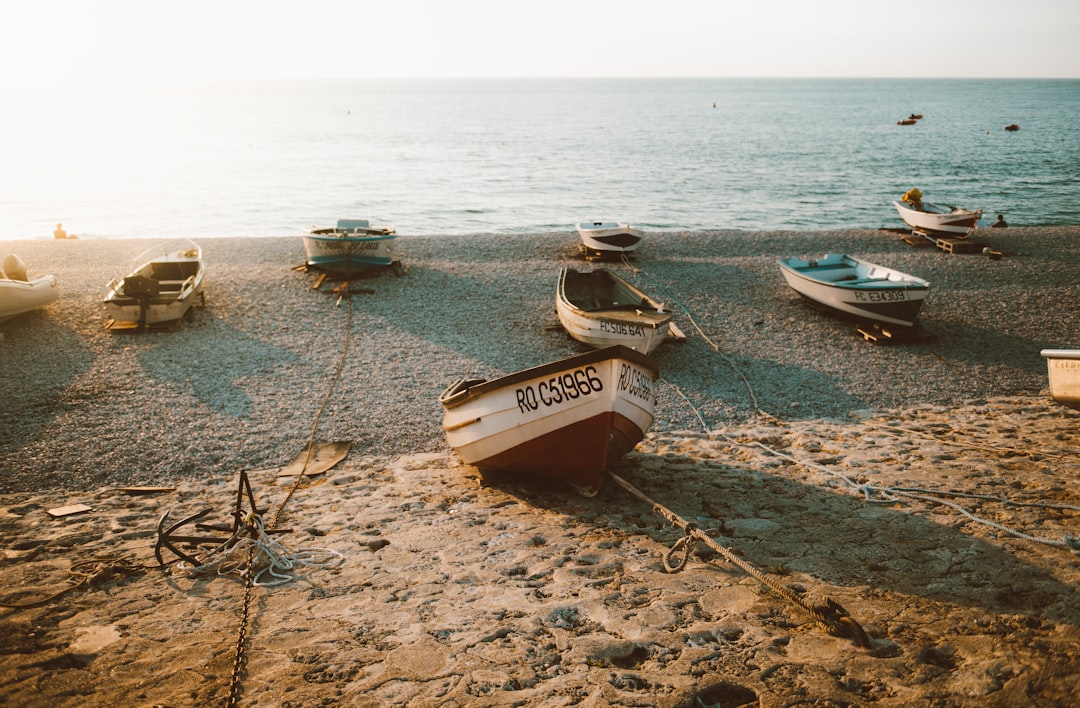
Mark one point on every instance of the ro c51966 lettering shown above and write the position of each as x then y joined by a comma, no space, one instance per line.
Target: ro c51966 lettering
558,389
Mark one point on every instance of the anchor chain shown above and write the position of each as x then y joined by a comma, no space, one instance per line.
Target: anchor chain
240,659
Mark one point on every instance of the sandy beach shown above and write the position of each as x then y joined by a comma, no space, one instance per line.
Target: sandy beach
930,488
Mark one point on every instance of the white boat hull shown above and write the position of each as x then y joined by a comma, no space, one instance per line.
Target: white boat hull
18,297
939,221
353,246
858,289
165,284
567,420
1063,368
609,238
617,313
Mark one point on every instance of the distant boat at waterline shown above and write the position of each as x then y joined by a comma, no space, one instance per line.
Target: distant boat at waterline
567,420
352,246
936,220
608,238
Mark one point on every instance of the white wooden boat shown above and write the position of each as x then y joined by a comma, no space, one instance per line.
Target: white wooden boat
19,294
1063,367
936,220
352,246
607,238
567,420
855,288
165,282
601,309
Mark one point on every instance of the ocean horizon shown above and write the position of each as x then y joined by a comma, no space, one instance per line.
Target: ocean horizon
463,156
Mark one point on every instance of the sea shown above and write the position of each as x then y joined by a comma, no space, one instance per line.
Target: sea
519,156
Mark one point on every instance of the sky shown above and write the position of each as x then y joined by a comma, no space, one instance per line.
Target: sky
90,42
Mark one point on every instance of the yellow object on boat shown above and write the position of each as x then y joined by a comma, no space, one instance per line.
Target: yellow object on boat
913,197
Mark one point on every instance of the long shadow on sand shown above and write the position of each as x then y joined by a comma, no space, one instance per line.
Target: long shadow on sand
54,355
775,523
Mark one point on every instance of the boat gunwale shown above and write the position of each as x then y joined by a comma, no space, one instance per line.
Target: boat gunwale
1064,354
455,395
653,312
908,282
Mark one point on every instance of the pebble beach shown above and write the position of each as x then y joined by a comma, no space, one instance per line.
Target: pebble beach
457,588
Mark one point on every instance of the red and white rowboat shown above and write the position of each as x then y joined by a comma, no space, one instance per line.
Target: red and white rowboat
567,420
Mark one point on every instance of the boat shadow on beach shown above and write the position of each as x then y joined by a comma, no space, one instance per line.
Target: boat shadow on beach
803,535
34,342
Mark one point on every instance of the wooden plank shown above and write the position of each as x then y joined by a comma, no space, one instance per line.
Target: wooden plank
68,510
879,333
675,333
324,456
145,490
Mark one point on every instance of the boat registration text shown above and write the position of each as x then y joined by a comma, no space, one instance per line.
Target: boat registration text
622,328
636,383
561,388
880,295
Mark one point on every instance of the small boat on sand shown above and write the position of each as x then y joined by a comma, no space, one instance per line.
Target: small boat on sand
858,289
1063,368
601,309
352,246
163,285
608,238
936,220
567,420
18,293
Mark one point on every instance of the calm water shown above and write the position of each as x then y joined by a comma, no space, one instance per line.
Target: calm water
515,156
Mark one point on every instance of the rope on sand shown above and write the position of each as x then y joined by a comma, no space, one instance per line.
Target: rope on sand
829,613
258,554
885,494
715,347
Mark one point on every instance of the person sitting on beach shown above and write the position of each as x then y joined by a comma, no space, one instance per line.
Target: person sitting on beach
59,233
1000,223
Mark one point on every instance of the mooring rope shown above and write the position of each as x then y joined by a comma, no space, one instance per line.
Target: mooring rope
896,431
256,554
830,614
886,495
318,416
870,492
713,345
95,570
263,546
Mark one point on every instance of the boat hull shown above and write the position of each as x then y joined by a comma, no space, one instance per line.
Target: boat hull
601,309
1063,368
857,289
939,221
567,420
609,238
353,246
165,284
18,297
